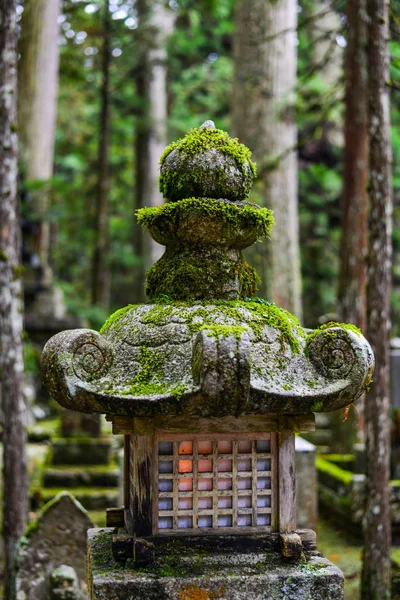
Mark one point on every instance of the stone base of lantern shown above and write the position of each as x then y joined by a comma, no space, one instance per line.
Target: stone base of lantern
204,569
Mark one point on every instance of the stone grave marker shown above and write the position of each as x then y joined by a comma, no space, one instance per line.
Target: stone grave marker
56,538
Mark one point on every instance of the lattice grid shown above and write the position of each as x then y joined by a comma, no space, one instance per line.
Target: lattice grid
214,484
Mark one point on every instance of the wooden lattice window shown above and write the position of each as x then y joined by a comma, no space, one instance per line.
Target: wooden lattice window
213,483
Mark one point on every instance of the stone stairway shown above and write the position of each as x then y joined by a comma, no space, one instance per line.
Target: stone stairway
86,468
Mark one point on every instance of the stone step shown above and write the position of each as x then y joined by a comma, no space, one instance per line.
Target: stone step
73,477
91,499
86,451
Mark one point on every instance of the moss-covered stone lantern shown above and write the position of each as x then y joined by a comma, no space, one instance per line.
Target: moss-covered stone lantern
208,384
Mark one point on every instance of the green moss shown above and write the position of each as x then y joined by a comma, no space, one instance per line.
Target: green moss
369,380
151,363
3,256
225,330
340,457
333,470
231,215
18,271
311,384
204,317
198,141
330,334
178,391
187,274
317,406
116,318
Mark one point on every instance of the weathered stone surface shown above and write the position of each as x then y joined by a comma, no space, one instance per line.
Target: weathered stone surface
69,477
81,451
64,584
183,573
192,168
57,537
160,358
207,347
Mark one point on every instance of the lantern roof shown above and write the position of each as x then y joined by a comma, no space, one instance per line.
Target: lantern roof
205,345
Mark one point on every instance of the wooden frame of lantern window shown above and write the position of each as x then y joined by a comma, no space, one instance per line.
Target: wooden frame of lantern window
210,476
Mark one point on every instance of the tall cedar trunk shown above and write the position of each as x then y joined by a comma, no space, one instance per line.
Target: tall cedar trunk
11,361
155,24
100,266
352,296
263,118
37,110
376,567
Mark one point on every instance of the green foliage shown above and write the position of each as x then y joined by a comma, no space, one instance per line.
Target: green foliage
31,355
200,71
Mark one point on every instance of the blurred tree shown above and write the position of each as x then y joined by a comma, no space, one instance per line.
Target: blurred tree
155,21
352,299
353,240
11,361
101,276
263,118
377,539
37,109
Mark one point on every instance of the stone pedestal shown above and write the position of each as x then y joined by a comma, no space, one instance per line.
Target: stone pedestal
194,569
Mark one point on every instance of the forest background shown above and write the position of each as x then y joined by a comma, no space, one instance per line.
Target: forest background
200,66
135,74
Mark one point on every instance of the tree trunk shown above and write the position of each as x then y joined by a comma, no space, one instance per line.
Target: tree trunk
100,266
11,361
38,87
353,244
352,297
155,24
263,118
376,567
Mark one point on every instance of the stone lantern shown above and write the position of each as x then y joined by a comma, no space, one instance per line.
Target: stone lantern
208,384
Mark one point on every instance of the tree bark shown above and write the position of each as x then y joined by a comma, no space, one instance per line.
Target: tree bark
352,295
11,361
263,118
100,266
352,300
37,110
155,24
376,567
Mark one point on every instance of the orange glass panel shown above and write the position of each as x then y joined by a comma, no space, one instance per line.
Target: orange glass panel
185,466
185,448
